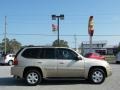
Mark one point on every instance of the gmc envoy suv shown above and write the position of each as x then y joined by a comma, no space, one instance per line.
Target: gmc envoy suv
34,64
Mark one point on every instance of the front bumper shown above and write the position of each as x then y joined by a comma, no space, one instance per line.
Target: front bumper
109,71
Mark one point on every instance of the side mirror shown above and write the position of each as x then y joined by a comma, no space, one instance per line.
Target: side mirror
78,58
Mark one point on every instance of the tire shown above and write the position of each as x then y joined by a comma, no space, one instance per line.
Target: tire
10,63
97,76
33,77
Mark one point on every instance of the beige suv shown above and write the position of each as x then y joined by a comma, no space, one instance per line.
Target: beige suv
37,63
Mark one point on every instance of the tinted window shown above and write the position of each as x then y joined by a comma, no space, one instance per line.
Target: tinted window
66,54
49,53
13,55
33,53
39,53
10,55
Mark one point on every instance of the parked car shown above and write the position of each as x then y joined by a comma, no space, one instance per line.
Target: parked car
118,57
95,56
7,59
37,63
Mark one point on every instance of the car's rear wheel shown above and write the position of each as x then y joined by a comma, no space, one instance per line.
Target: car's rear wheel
33,77
97,76
10,62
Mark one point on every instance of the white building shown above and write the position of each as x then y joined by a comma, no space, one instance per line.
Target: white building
97,46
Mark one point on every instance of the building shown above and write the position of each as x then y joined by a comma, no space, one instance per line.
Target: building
97,47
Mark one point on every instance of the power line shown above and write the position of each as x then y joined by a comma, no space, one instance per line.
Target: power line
67,35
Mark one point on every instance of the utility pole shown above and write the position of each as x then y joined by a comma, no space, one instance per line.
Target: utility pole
5,49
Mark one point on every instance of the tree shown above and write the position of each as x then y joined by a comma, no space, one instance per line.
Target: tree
15,45
12,46
7,45
62,43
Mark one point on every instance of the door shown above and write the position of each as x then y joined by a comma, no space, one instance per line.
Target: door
43,58
68,64
50,62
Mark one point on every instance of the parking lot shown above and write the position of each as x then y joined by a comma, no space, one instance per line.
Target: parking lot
9,83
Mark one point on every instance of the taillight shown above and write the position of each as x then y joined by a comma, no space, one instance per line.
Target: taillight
15,61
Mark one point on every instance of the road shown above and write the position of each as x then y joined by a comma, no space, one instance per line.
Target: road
9,83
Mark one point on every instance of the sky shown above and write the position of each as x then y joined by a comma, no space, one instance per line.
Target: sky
30,22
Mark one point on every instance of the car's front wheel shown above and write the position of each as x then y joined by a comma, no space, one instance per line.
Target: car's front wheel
97,76
33,77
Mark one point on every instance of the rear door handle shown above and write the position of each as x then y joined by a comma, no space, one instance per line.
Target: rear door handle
39,62
61,62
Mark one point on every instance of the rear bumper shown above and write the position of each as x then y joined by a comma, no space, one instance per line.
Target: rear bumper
17,71
2,62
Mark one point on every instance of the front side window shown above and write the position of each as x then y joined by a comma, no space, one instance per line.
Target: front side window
66,54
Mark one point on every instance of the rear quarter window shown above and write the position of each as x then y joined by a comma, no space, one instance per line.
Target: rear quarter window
32,53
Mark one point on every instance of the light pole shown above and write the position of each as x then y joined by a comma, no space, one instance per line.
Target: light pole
61,17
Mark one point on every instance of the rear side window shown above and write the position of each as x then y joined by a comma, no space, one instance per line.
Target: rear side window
49,53
13,55
10,55
35,53
39,53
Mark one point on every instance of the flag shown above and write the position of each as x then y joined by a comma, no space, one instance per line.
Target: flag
54,27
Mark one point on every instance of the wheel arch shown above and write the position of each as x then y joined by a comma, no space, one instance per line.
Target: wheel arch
98,67
32,68
10,61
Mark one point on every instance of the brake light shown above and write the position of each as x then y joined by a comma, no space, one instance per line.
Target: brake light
15,61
